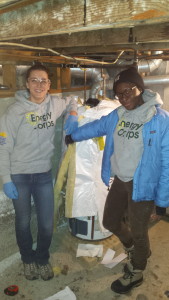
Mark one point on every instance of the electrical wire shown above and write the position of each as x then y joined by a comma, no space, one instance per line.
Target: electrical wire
77,59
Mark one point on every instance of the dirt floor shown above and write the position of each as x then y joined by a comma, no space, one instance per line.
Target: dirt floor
86,277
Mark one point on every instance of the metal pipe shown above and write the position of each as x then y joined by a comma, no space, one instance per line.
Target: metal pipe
146,66
159,79
91,73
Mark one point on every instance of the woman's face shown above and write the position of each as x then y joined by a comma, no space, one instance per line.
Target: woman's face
129,95
38,84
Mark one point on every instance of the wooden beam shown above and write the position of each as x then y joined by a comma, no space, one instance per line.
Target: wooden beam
14,6
29,56
9,75
65,78
109,55
116,38
57,17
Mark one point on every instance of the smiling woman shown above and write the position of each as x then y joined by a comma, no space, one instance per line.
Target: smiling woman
127,92
28,129
133,141
130,97
38,83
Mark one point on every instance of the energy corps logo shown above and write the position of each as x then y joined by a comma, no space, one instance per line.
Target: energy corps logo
120,124
31,118
3,137
40,121
129,130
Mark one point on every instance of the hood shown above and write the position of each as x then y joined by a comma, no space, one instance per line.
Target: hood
23,97
144,112
153,97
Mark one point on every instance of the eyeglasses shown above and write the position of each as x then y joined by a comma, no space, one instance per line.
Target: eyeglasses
41,81
127,92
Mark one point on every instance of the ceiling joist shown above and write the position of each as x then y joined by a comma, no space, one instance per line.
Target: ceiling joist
8,6
71,31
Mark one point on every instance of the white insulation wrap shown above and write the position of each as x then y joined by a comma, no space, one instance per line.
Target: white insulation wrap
90,192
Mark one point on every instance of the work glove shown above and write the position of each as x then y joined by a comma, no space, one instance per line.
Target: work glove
68,140
106,179
10,190
71,124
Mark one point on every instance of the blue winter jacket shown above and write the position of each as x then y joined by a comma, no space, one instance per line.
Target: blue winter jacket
151,178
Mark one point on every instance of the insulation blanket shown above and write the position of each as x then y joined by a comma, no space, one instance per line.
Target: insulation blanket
89,190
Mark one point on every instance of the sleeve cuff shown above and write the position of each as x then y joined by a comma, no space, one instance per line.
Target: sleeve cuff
6,178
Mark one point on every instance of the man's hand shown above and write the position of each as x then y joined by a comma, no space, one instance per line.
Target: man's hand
68,140
10,190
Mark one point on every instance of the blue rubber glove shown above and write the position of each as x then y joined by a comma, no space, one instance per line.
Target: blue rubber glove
10,190
106,179
71,124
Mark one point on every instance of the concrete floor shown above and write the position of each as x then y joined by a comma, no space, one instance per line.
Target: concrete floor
85,276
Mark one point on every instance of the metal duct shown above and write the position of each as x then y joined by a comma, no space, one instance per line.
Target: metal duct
159,79
100,77
93,74
97,76
96,88
146,66
148,81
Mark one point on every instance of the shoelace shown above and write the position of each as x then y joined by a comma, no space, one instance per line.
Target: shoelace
44,269
129,252
30,267
128,274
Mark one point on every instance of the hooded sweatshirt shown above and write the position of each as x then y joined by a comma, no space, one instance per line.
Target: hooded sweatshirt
27,133
128,139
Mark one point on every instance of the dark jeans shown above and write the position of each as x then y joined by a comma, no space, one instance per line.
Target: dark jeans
135,231
40,187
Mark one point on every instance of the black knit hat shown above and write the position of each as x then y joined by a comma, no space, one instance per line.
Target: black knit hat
129,75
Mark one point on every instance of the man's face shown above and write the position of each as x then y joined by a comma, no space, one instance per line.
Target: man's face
129,95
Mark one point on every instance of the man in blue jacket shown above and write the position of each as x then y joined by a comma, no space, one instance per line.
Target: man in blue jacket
137,155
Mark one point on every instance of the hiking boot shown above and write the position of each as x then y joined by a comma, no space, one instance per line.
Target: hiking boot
31,271
131,278
46,271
